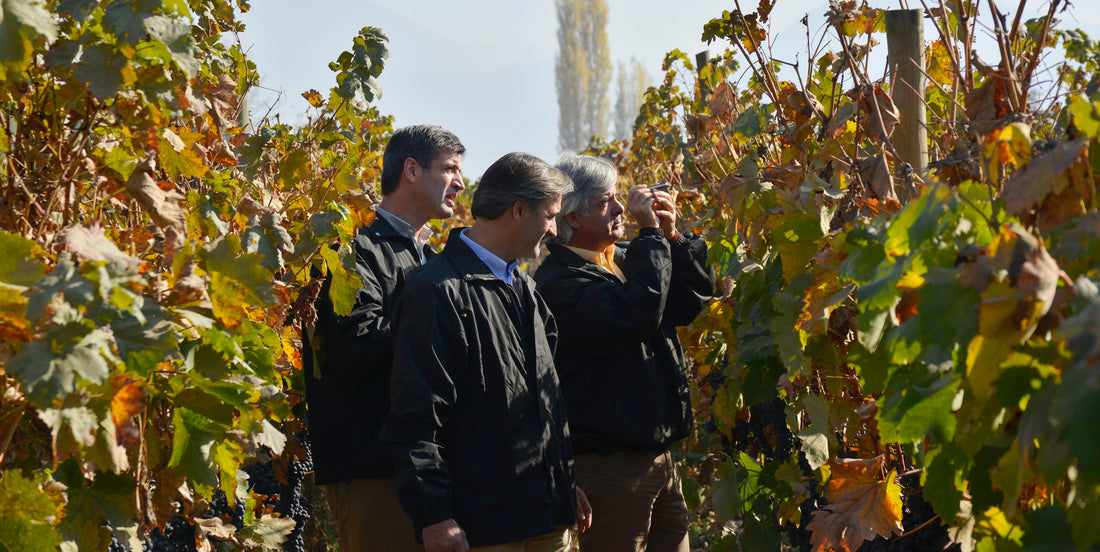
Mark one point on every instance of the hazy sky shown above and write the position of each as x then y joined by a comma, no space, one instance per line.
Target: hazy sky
485,68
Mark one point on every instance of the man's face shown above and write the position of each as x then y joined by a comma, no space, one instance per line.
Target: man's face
603,225
536,225
438,186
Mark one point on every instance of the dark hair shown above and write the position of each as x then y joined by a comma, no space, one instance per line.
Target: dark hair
517,177
423,143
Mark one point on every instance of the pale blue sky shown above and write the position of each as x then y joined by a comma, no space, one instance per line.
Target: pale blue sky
485,68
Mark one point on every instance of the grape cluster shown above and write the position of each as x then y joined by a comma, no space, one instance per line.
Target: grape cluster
219,508
178,535
765,432
115,545
292,502
262,479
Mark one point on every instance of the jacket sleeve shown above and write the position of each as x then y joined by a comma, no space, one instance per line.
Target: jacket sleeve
362,340
692,280
429,358
600,315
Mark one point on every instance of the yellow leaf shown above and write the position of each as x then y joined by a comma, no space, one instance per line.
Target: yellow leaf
940,67
290,347
129,401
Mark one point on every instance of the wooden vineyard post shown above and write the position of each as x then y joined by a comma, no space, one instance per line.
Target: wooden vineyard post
905,42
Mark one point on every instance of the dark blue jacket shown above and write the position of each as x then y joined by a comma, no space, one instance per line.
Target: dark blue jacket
618,356
347,403
478,429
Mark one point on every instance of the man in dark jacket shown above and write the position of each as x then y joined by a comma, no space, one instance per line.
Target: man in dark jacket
347,359
618,356
477,427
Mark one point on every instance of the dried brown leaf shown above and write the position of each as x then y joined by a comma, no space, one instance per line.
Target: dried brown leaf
875,172
91,244
1059,183
860,506
163,206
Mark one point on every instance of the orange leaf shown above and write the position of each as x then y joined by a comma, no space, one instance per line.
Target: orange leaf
128,401
314,98
860,506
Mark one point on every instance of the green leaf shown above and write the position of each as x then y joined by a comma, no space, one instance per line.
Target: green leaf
870,327
236,282
916,406
109,498
269,239
796,238
725,495
945,482
917,222
101,67
27,514
193,442
176,35
346,281
1085,116
50,365
21,21
18,262
1082,518
815,437
1048,531
126,18
942,299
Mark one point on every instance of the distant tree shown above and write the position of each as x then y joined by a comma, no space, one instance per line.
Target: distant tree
631,85
582,71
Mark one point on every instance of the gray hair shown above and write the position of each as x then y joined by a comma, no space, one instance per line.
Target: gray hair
591,177
517,177
423,143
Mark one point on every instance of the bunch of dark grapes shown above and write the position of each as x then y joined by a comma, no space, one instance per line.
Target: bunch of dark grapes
178,536
115,545
262,479
219,507
292,502
765,432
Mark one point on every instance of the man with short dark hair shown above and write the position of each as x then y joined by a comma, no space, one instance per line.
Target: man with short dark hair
619,360
477,428
347,391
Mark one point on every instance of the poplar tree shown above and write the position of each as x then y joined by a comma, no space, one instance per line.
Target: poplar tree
582,72
631,85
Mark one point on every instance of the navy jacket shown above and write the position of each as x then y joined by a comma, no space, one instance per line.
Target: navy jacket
618,356
347,404
478,427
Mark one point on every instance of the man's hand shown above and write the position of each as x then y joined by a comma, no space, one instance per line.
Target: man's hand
640,206
445,536
665,209
584,511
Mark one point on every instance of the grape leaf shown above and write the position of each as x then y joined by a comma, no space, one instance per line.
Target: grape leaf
1048,531
913,408
27,514
945,480
20,21
815,437
50,365
268,532
860,506
236,282
19,264
101,67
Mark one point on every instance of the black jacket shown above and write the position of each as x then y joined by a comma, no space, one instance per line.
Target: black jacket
350,400
618,356
477,428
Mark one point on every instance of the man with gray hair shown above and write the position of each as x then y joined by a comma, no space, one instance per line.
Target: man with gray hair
347,359
477,428
619,360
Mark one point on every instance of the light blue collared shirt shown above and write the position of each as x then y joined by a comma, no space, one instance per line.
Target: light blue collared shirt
496,265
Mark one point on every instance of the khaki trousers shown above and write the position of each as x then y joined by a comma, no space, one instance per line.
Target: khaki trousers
557,540
369,517
637,504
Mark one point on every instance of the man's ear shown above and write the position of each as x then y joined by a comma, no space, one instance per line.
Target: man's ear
519,209
410,169
573,220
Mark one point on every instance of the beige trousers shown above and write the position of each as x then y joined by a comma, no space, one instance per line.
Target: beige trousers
637,504
557,540
369,517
